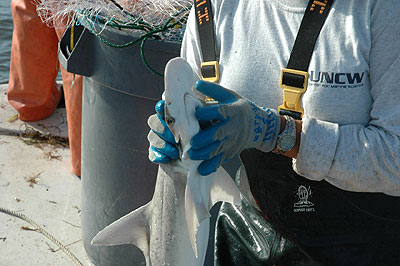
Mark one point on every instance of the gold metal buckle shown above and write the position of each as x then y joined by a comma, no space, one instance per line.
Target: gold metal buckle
292,95
216,67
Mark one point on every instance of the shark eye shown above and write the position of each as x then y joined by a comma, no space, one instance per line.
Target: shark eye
169,120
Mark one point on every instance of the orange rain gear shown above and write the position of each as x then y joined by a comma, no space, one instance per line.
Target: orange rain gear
34,65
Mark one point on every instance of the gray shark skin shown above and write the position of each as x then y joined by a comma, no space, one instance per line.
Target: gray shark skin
173,228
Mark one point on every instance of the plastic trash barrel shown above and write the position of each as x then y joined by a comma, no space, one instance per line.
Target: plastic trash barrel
119,94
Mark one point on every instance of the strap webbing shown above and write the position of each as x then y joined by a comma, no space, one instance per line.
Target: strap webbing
205,27
300,57
310,27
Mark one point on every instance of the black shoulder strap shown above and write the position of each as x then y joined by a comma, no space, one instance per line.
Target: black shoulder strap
294,78
310,27
205,27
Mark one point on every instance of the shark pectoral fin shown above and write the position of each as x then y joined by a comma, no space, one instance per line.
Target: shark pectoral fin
223,188
132,228
195,212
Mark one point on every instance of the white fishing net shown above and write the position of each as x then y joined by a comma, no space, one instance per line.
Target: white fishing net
141,15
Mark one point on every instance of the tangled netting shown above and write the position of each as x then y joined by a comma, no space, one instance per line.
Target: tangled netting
139,16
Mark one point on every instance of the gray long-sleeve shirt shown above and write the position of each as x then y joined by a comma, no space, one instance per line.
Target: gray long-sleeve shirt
351,126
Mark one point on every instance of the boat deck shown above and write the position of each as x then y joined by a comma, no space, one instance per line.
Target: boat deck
36,182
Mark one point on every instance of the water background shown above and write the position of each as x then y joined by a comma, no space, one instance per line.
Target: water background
6,27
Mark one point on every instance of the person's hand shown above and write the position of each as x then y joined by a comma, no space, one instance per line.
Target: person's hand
236,124
162,143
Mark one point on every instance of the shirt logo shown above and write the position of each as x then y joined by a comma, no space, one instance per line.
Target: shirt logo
336,80
303,205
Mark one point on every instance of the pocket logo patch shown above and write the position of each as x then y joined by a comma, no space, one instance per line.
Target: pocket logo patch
303,204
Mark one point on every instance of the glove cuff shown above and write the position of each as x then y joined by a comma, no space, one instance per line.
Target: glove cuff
266,141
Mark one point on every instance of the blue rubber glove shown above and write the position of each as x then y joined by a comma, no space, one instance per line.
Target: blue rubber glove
162,143
237,124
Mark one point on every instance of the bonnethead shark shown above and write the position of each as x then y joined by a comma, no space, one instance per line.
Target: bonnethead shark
173,228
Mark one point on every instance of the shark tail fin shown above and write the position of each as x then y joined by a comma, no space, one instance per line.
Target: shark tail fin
132,228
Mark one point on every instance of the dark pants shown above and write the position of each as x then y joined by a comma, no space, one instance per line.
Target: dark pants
308,222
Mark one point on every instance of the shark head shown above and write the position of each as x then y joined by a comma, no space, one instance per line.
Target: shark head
180,100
